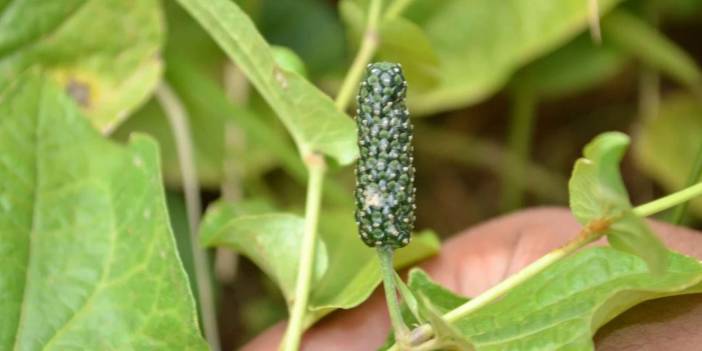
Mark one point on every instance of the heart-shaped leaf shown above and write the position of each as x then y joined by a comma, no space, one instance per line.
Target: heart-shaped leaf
87,256
596,187
597,193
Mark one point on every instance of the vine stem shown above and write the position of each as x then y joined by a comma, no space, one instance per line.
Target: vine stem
593,10
588,234
178,120
385,253
669,201
369,45
396,8
316,168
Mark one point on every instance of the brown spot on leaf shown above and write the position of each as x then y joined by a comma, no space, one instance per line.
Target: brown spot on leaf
79,91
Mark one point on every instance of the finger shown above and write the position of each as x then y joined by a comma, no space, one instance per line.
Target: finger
359,329
482,256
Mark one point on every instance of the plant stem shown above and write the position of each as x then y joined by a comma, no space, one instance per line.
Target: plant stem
396,8
594,21
694,176
520,132
178,120
591,232
669,201
369,44
316,166
385,253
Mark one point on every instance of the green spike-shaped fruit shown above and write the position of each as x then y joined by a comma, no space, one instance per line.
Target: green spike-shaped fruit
385,192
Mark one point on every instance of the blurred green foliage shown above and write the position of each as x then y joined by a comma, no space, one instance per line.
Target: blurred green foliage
466,62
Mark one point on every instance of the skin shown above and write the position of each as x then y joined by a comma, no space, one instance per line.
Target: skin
479,257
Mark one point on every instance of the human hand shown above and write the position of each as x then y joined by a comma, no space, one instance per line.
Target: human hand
484,255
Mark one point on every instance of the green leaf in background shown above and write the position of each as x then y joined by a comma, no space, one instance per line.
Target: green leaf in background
597,193
288,60
310,28
680,9
596,188
480,43
577,66
87,256
562,307
638,38
310,116
346,270
400,41
667,145
405,42
104,53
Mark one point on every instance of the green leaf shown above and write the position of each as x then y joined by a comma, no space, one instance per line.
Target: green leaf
104,53
423,299
480,43
346,270
405,42
667,145
400,41
577,66
596,188
442,299
679,9
420,284
310,28
310,116
288,60
631,234
562,307
271,240
88,259
446,336
597,193
640,39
